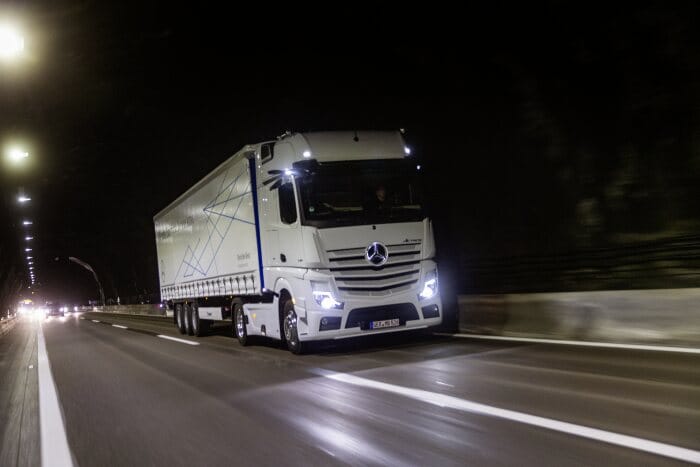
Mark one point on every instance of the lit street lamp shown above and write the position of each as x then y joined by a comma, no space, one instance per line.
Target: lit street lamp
11,42
23,199
26,222
16,154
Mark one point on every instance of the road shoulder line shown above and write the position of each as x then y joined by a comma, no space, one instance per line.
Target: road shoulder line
54,442
443,400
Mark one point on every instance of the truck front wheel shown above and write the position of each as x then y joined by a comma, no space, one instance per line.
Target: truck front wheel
289,324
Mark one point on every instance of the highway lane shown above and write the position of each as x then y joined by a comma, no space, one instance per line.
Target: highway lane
19,395
131,398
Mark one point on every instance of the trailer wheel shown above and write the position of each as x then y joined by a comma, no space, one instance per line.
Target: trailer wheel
187,315
289,325
200,327
180,317
240,331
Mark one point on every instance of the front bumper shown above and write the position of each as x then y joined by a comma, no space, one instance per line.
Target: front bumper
357,314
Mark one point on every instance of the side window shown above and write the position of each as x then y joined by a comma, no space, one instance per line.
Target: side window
288,209
267,152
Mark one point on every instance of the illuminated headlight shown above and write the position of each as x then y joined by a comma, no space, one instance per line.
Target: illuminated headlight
324,297
430,286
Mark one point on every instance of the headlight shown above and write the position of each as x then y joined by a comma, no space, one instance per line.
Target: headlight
430,286
324,297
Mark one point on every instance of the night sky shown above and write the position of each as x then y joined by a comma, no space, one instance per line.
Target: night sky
543,128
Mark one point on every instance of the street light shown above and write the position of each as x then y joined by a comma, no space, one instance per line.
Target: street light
28,238
23,199
16,154
11,42
26,222
94,274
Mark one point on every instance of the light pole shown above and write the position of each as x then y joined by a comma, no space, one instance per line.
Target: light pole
94,274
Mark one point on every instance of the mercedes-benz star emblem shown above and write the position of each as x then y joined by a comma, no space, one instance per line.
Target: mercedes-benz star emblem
376,253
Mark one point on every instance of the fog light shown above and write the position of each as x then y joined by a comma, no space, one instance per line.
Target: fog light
430,311
329,323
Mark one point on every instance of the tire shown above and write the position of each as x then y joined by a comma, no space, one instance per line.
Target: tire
289,328
200,327
180,317
240,331
187,312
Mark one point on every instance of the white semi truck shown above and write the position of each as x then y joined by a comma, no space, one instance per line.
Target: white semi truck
312,236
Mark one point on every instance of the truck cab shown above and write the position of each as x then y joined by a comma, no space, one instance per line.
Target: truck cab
345,236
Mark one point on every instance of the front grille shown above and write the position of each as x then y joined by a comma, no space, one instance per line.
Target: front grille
361,317
355,276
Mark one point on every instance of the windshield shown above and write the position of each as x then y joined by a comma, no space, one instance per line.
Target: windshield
361,192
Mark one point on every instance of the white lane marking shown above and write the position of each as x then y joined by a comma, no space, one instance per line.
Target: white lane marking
31,366
82,317
611,345
119,326
442,400
54,443
95,320
444,384
177,340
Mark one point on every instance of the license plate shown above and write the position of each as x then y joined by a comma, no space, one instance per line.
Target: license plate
386,323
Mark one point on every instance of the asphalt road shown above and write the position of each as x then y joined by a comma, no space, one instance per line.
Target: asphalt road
131,398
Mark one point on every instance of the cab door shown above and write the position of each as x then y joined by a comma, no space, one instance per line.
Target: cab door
283,231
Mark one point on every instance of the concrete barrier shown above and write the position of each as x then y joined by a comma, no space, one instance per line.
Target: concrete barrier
661,316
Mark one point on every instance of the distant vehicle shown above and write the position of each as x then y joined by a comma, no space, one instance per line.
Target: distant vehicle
313,236
53,309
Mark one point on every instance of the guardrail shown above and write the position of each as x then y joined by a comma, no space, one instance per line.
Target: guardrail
7,323
149,309
661,316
